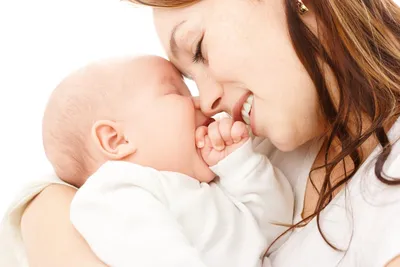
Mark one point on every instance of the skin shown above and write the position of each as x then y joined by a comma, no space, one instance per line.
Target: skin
121,139
256,60
168,127
245,66
285,110
60,244
171,123
117,92
261,67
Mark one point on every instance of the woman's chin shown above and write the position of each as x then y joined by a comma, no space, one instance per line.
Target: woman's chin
285,141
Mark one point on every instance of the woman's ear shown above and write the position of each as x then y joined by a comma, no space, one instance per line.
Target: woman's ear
109,138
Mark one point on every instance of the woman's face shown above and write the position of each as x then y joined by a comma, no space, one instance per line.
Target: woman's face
236,49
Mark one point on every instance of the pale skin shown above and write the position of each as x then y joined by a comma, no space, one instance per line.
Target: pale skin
288,116
124,138
223,78
117,92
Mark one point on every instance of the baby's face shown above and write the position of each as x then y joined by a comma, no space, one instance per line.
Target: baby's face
162,120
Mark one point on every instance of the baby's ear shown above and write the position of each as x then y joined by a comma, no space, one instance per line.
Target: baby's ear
110,139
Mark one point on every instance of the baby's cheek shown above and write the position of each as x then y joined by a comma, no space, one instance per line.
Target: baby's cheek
184,110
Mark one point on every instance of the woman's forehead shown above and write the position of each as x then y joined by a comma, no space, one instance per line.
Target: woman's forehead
164,22
168,21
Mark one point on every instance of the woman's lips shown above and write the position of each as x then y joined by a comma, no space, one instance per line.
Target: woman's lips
237,109
252,119
208,121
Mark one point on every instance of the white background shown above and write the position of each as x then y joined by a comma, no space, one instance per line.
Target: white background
41,41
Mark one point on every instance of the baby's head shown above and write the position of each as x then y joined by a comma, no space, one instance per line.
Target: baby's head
137,110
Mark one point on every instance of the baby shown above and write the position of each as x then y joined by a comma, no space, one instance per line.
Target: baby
124,132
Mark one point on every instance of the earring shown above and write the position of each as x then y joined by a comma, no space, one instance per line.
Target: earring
302,7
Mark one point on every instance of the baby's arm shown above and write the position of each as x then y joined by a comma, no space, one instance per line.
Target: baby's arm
126,225
249,177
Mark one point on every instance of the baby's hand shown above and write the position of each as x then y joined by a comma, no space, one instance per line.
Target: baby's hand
220,139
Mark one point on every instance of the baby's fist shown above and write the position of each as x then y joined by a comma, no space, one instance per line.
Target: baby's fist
220,139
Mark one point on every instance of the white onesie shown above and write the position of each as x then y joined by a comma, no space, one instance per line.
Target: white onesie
137,216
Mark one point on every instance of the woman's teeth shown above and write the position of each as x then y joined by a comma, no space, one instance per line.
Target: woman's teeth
246,109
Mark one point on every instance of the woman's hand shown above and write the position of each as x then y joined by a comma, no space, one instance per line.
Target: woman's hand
220,139
394,263
49,237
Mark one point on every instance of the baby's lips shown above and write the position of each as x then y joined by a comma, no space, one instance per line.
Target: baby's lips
207,122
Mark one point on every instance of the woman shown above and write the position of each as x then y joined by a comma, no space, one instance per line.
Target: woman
325,77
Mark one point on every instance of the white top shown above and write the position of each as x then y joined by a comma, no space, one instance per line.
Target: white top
374,214
363,220
128,213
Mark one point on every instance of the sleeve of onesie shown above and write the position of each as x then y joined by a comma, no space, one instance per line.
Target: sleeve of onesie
250,179
127,226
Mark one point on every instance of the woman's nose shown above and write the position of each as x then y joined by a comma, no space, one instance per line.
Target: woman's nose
210,98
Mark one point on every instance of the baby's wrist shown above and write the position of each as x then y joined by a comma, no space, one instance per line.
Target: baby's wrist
236,159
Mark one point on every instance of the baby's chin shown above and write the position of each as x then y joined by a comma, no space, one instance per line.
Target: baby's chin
202,171
206,176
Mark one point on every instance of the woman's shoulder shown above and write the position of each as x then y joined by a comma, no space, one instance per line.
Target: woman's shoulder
10,227
376,212
32,188
362,221
374,191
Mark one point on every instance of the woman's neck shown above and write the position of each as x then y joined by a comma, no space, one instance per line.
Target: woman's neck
341,170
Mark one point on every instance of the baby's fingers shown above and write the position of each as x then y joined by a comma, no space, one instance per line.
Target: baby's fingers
239,131
225,129
200,134
215,136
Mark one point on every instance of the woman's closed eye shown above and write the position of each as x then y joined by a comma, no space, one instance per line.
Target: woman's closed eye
198,55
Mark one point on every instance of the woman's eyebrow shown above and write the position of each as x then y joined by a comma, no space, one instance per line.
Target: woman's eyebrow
172,41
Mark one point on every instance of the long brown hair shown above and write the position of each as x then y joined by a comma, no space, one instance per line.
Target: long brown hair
360,42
